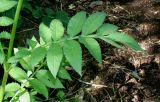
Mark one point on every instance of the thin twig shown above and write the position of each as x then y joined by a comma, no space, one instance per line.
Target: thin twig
26,30
94,85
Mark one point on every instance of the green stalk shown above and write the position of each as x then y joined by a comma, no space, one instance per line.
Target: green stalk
19,6
7,65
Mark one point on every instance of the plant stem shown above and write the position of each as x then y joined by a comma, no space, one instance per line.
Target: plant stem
7,65
2,90
14,28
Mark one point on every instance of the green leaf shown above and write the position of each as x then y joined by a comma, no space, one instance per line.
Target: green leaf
93,47
25,65
5,35
113,43
32,44
38,12
54,58
12,87
60,94
35,40
46,78
73,53
62,16
125,39
76,23
18,74
39,87
106,29
22,53
57,29
41,41
45,32
5,21
21,92
27,6
37,55
8,95
13,59
49,11
93,22
62,73
25,97
57,84
2,55
6,5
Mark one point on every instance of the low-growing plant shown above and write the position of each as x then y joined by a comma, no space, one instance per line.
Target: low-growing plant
41,65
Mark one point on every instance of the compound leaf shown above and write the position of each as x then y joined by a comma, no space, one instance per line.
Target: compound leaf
93,22
73,53
76,23
54,58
